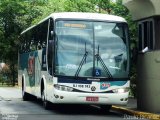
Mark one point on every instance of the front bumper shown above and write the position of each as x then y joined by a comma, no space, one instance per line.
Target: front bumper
81,98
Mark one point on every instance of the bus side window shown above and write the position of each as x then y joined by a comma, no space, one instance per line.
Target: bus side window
42,37
43,44
32,45
39,45
22,44
50,48
50,56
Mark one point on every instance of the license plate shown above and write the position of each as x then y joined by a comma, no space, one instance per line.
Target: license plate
94,99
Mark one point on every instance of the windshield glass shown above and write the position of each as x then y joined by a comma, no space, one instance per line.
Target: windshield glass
91,49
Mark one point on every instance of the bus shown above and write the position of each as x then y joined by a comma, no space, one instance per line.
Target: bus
76,58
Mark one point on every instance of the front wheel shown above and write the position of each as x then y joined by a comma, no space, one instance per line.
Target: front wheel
45,102
105,108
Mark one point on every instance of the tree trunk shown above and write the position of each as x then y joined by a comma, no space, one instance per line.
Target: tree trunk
13,74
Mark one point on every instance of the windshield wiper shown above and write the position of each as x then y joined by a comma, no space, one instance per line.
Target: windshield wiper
82,62
103,64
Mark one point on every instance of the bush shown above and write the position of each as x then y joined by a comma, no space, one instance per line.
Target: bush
133,79
4,73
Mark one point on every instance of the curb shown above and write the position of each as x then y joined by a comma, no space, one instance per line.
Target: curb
136,114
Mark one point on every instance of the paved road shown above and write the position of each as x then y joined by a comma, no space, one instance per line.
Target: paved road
12,107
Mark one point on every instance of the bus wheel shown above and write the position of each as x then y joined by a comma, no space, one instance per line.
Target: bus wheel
45,102
25,96
105,108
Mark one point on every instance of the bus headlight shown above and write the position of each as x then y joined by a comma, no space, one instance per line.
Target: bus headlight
63,88
121,90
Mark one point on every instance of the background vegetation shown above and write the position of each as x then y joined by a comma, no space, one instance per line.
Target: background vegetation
17,15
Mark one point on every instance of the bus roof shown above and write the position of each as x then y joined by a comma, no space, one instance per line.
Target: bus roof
81,16
89,16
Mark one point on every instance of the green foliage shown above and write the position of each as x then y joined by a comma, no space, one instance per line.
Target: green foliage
79,6
133,79
50,6
14,17
5,75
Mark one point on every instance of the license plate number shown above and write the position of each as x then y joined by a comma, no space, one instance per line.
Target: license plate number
94,99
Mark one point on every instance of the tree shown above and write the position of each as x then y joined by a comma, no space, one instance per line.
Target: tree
79,6
48,7
15,15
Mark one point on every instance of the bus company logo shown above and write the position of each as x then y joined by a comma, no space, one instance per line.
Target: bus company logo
93,88
104,85
31,65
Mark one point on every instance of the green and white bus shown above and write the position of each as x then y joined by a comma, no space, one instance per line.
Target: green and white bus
76,58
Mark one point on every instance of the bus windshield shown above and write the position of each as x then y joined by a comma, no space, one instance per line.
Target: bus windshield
91,49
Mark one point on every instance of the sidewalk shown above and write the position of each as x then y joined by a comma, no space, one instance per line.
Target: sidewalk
131,109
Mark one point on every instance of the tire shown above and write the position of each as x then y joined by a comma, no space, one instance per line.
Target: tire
105,108
45,103
25,96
